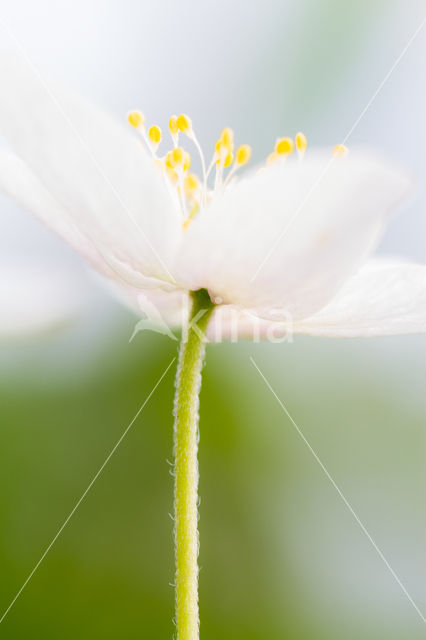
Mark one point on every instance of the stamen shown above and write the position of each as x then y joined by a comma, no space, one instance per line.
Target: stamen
174,130
173,125
177,156
136,119
229,159
175,165
227,138
224,148
184,123
154,135
340,150
186,161
211,165
301,144
203,164
191,184
284,146
243,155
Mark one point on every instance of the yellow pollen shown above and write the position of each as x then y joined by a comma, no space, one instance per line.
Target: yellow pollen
224,150
340,150
227,138
154,134
136,119
284,146
243,155
301,142
191,184
168,160
229,159
177,156
184,123
173,125
194,193
186,161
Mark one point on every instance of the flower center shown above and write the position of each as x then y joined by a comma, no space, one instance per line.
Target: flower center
194,192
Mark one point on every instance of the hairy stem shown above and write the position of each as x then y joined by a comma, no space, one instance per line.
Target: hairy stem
188,384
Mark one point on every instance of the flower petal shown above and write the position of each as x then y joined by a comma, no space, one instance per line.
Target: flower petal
290,236
384,298
98,172
17,181
169,311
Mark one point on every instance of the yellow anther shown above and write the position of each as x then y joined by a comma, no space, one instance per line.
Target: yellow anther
177,156
136,119
154,134
224,150
229,159
173,125
184,123
340,150
284,146
227,138
301,142
186,161
243,155
168,160
191,184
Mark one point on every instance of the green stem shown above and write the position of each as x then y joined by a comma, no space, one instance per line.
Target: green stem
188,384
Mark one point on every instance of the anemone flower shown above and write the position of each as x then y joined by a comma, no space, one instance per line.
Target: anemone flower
284,246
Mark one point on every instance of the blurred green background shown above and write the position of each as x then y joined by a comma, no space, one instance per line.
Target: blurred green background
281,555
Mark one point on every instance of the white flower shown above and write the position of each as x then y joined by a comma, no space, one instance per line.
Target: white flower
288,243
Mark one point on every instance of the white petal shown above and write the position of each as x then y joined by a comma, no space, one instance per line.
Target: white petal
168,307
385,298
18,181
37,298
97,170
170,311
326,222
